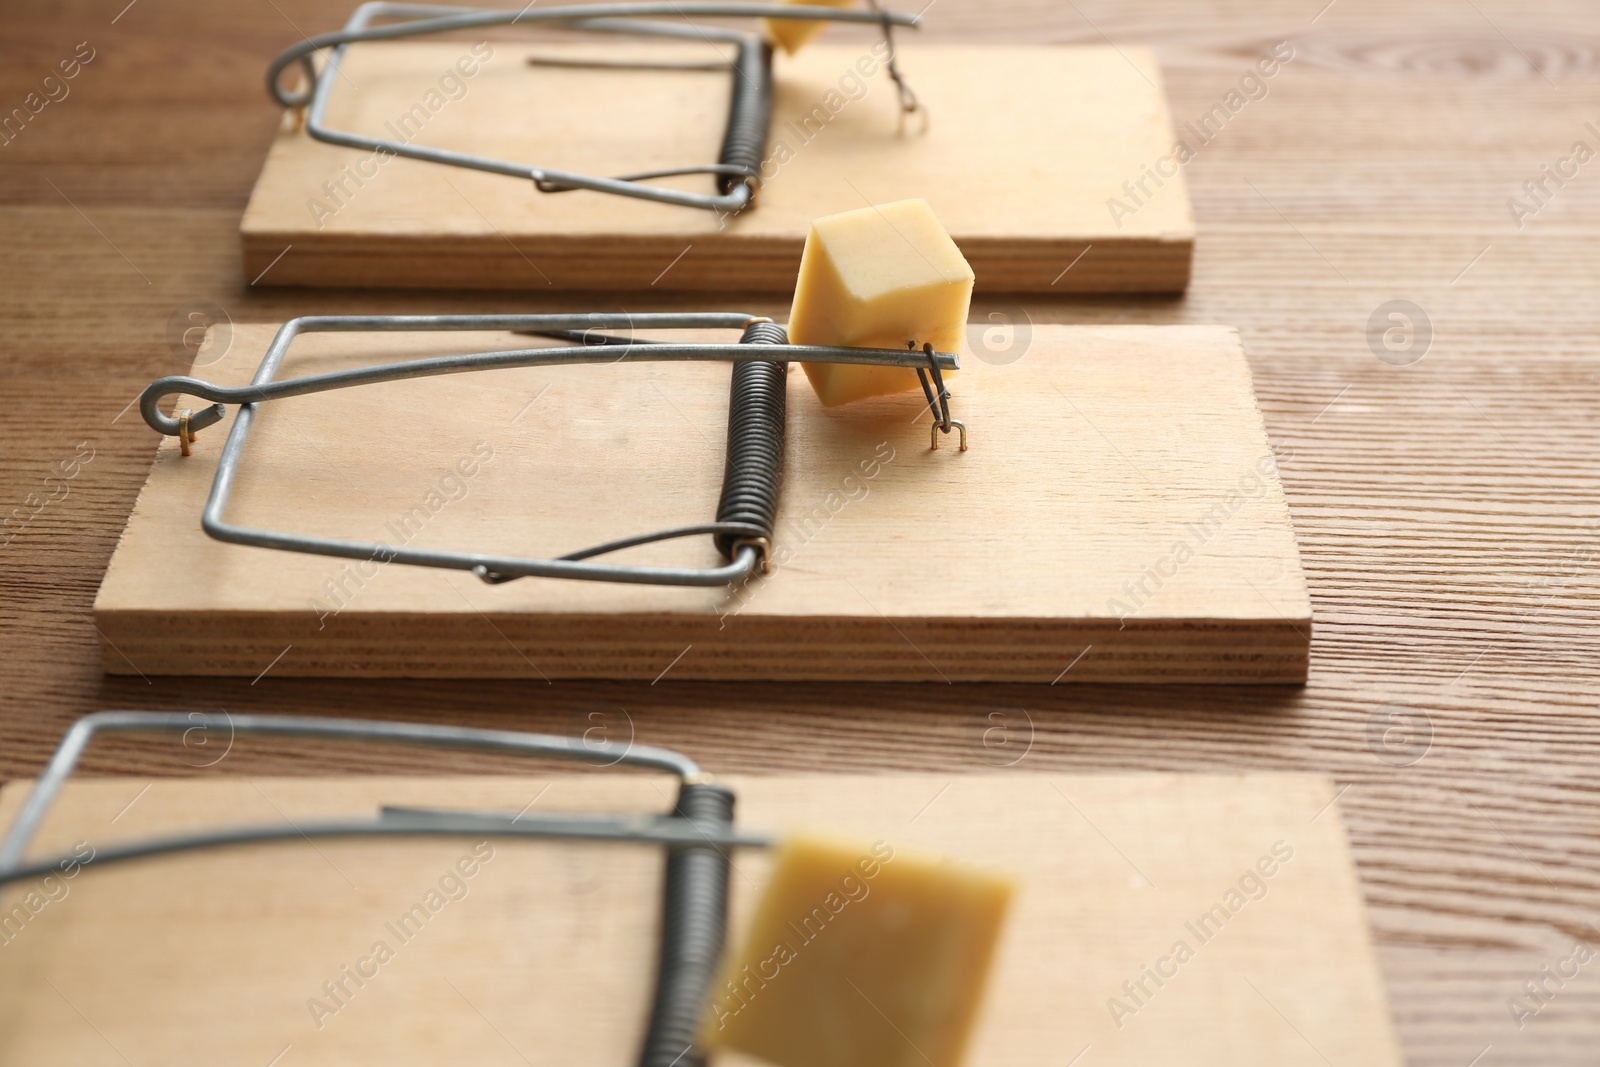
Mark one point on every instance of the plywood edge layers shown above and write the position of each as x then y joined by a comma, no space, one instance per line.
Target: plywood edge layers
621,264
1270,650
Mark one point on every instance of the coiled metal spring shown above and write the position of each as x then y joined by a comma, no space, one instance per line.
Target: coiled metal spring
749,114
694,920
753,473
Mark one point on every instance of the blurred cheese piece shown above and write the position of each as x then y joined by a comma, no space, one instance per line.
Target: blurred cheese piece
878,278
860,955
791,35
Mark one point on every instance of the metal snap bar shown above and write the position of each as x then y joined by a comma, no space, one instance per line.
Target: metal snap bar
737,169
697,833
747,509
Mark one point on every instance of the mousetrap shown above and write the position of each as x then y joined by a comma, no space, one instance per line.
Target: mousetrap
1118,516
1155,919
649,147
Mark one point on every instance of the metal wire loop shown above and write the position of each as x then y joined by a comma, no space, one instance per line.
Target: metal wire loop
745,514
938,397
749,112
697,834
909,103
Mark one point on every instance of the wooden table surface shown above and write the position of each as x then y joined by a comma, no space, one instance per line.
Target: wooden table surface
1446,505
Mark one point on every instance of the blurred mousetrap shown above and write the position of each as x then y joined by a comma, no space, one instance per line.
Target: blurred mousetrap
650,146
1117,518
507,920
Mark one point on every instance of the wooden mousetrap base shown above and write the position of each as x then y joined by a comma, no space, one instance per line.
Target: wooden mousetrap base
1118,518
545,955
1026,150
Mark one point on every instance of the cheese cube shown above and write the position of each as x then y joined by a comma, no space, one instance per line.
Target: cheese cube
879,277
791,35
860,956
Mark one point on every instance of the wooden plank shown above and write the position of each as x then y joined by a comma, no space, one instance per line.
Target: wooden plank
1026,148
545,954
1119,512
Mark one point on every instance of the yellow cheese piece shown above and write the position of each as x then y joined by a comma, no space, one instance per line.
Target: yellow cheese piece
879,277
860,955
791,35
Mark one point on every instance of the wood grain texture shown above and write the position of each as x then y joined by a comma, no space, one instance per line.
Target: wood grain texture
545,953
1025,147
1446,510
1124,525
